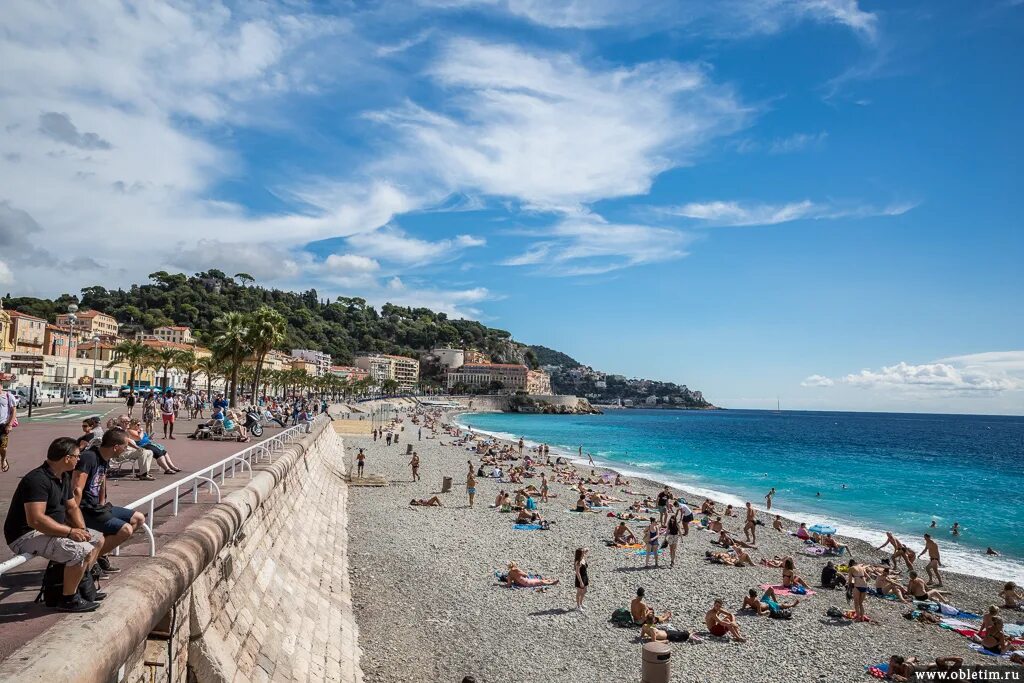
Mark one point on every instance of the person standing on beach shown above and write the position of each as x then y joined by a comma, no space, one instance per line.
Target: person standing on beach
415,465
768,498
360,461
858,587
582,579
686,516
653,533
664,496
543,487
750,526
672,538
932,548
520,446
471,483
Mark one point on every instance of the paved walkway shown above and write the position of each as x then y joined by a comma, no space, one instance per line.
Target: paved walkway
20,618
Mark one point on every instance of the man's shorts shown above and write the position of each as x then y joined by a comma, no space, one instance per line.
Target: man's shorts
61,550
108,522
168,418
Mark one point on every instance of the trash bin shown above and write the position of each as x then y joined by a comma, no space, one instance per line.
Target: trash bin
408,449
446,485
655,667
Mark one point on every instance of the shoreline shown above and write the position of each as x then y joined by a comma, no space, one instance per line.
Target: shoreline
426,599
996,568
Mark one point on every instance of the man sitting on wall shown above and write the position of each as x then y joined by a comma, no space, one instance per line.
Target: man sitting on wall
89,482
44,519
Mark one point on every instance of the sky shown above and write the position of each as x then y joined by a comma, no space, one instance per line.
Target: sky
815,202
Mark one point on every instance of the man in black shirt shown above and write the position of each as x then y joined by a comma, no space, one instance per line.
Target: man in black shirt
44,519
89,483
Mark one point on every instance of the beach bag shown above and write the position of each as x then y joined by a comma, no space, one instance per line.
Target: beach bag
621,617
53,585
779,613
797,590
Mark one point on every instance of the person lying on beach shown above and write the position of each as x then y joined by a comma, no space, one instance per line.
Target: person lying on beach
777,524
734,558
830,542
721,622
886,586
517,577
789,576
775,562
628,515
900,668
527,517
640,610
622,535
920,591
433,501
1012,596
650,632
727,541
768,604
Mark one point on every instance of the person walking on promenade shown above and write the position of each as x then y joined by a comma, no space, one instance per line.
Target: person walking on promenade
471,483
167,412
149,409
387,438
582,578
130,402
415,465
8,411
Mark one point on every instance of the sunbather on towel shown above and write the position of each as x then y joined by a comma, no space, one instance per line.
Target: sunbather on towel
651,632
528,517
433,501
640,610
622,535
517,577
789,576
886,586
920,591
994,639
768,603
1012,596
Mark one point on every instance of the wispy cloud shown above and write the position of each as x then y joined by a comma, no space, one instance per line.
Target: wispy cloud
395,245
797,142
980,374
732,213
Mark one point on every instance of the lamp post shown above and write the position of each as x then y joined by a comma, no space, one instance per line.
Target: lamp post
95,353
72,319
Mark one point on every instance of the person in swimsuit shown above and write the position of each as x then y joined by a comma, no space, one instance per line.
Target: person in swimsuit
789,576
886,586
622,535
360,462
858,577
517,577
749,527
955,529
1012,596
777,524
651,632
640,610
932,548
995,640
919,590
415,465
581,503
471,484
652,533
768,604
582,579
721,623
426,502
543,487
897,547
672,537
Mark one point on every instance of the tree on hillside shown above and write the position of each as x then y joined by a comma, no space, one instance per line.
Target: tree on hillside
231,346
132,352
266,330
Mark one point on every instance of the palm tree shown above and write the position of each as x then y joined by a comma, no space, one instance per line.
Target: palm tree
266,330
209,366
188,362
166,358
133,352
231,345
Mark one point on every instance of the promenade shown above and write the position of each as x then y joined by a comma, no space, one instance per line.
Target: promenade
20,618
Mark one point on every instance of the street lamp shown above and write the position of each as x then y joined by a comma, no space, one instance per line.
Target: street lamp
95,352
72,319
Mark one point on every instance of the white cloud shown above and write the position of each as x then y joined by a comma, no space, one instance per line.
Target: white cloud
732,213
589,245
980,374
392,244
723,18
785,145
543,129
6,276
348,263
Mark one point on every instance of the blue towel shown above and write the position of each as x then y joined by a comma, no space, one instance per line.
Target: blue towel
527,527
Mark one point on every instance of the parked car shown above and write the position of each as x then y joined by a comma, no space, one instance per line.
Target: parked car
79,396
22,394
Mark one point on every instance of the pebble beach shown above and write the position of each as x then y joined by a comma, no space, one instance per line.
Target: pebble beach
430,608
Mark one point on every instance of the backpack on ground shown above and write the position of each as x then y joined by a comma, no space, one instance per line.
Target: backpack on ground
53,585
622,617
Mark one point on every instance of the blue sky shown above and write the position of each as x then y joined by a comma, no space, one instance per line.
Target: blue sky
811,199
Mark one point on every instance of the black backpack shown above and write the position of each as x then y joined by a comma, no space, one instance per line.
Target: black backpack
52,589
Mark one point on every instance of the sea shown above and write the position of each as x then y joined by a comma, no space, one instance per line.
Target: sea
863,473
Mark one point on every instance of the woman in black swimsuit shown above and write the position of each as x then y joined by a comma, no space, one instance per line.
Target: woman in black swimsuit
995,640
582,579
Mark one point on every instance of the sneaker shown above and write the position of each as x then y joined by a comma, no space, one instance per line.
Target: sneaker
75,603
100,595
104,563
146,477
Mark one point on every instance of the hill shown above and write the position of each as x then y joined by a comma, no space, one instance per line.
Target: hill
344,327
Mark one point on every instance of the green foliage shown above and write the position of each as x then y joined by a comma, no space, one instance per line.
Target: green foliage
546,356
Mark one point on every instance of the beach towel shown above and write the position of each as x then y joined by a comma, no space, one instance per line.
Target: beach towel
527,527
647,552
878,670
782,590
980,650
624,546
1014,630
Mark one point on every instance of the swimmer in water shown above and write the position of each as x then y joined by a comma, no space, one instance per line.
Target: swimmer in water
955,529
933,524
818,494
990,551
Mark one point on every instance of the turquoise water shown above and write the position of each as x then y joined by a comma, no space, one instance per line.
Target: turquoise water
900,471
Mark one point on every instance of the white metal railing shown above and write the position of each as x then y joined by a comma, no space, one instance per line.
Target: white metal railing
226,467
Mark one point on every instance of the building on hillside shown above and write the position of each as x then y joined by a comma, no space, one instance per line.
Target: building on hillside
449,358
538,382
6,344
474,357
349,372
382,367
321,361
91,324
651,400
55,341
308,367
27,333
274,360
481,376
179,334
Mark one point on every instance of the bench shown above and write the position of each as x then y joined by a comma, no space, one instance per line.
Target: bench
16,561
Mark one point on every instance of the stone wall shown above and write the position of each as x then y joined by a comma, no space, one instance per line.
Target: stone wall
502,403
255,590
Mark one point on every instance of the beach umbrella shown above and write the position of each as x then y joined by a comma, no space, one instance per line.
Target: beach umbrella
822,529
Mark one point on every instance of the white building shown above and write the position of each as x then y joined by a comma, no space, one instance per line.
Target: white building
179,334
405,371
321,360
450,358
